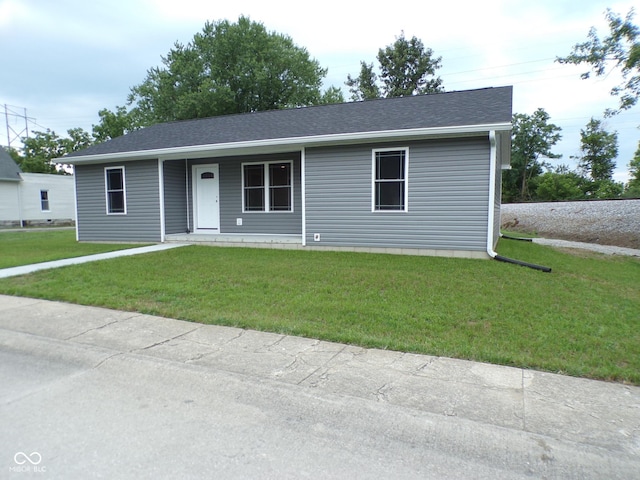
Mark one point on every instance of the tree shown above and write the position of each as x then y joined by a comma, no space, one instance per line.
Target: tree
599,149
41,149
406,68
556,186
78,139
620,50
331,95
229,68
632,188
532,138
607,189
364,86
15,154
115,124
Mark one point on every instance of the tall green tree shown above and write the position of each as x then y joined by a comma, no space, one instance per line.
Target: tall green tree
559,185
633,187
229,68
620,50
599,149
41,149
364,86
116,123
406,68
14,153
532,139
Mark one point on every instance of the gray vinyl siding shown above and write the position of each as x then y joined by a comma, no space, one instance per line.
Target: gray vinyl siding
447,197
175,196
271,223
142,220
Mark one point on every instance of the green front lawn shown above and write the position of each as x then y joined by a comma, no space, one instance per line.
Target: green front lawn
582,319
26,247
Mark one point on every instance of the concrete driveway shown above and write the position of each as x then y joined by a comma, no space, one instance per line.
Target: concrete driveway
94,393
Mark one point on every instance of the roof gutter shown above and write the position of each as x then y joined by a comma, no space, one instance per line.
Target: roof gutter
266,145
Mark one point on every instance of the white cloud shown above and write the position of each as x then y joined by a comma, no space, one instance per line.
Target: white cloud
69,58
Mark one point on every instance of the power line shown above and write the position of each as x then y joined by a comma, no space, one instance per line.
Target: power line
12,133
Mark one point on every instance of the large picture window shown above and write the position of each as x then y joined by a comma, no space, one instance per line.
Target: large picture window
115,187
390,180
267,187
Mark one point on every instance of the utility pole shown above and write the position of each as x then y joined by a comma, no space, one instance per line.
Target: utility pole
12,133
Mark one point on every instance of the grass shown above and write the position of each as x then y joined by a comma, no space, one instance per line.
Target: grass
27,247
583,319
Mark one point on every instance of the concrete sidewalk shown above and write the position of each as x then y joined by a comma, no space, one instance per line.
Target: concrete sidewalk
594,247
563,424
24,269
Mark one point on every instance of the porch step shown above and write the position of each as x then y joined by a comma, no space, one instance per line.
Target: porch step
273,241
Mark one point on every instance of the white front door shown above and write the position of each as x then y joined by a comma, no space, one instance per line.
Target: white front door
206,193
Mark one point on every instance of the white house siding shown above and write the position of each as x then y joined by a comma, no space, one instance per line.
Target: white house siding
141,223
20,201
447,197
60,194
9,202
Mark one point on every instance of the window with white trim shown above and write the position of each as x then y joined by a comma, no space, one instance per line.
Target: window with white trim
115,189
44,200
267,187
389,179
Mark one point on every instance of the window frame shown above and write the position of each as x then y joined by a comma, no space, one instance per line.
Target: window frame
267,187
375,180
44,198
123,190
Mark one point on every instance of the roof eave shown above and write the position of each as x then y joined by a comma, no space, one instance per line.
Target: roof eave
285,144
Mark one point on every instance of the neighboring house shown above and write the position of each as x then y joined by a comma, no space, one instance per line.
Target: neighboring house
418,175
33,198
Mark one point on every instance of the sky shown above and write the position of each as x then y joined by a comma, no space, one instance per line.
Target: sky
65,60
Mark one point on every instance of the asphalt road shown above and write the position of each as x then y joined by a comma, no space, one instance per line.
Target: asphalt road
93,393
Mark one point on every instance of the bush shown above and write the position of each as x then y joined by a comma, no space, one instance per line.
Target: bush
559,186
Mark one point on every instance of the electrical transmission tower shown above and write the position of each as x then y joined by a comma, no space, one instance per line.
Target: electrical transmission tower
12,117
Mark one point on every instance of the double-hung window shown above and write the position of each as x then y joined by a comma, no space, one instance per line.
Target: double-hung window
115,188
389,179
44,200
267,187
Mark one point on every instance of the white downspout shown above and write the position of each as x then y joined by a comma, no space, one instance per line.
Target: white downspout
493,161
75,203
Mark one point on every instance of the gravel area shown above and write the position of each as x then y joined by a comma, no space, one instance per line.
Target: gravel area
607,222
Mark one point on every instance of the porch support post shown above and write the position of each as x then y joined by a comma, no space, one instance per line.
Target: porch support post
161,198
303,195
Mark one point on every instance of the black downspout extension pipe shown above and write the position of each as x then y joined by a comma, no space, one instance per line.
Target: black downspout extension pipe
516,238
500,258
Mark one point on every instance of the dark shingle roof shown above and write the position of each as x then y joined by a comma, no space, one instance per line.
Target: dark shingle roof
9,170
463,108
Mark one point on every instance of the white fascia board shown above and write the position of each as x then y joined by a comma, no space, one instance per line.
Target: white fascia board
285,144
